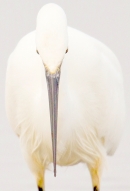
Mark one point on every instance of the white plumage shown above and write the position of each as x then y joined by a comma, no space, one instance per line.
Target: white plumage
91,97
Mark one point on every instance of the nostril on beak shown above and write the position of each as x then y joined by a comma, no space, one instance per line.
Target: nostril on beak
37,51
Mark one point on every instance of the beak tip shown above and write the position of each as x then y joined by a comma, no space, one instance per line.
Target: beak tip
54,169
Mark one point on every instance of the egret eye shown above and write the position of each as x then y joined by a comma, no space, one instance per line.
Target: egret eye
66,51
37,51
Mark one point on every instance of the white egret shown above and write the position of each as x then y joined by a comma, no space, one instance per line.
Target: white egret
88,117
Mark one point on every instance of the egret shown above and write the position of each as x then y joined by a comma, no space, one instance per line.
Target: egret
87,117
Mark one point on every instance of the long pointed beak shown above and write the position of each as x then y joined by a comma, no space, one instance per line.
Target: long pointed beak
53,87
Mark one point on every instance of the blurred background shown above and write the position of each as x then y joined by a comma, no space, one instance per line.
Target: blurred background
108,21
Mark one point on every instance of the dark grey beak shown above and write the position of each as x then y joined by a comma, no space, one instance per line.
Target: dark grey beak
53,87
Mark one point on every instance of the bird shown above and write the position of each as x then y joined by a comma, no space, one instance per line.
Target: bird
64,97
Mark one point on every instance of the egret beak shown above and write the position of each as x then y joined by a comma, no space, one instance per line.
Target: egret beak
53,87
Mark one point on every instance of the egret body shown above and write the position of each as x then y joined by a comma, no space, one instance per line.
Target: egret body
88,116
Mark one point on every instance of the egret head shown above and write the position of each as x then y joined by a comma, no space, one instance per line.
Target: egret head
51,45
51,36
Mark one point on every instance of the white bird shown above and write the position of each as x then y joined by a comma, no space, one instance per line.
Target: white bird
91,109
